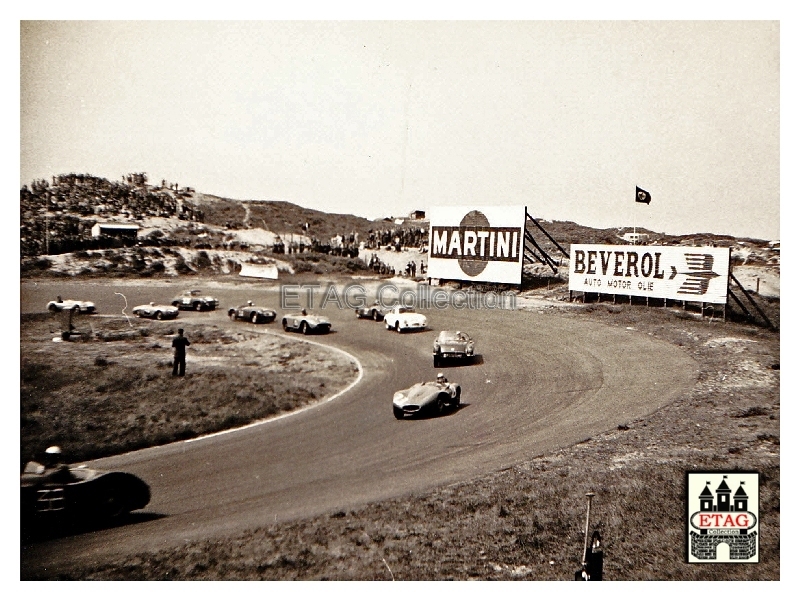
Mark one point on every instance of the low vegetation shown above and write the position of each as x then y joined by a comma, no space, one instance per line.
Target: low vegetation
114,391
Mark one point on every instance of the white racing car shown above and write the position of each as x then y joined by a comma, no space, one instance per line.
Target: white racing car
403,318
306,323
81,306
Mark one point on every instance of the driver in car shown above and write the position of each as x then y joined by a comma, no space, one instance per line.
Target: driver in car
441,380
50,467
54,467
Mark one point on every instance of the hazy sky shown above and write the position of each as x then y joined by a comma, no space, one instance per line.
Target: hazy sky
377,118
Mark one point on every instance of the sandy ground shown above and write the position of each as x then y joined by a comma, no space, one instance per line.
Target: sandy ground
764,280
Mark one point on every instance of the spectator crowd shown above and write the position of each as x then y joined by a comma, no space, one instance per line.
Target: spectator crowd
58,216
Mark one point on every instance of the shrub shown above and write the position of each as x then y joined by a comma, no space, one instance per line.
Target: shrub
202,261
181,266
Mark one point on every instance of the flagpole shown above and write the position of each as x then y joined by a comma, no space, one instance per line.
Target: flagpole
641,196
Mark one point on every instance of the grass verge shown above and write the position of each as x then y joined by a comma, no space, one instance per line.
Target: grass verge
114,392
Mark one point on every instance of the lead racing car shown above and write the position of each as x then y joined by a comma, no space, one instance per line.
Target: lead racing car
431,397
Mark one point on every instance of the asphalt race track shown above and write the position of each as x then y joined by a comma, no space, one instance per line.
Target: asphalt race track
542,382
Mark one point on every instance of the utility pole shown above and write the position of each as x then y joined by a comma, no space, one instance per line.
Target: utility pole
589,496
591,562
46,225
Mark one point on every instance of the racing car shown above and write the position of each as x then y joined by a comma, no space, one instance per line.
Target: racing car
81,306
194,300
374,311
78,493
158,312
403,318
452,345
254,314
431,397
306,323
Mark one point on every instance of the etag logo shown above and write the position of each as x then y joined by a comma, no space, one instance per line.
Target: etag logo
722,517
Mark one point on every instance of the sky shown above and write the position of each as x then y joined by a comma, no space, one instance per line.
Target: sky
379,118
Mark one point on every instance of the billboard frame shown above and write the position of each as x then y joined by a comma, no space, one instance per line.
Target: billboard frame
516,247
704,305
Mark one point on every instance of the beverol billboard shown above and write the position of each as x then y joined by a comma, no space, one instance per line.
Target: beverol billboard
676,272
476,244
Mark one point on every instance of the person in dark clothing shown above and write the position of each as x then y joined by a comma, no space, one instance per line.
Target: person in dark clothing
179,364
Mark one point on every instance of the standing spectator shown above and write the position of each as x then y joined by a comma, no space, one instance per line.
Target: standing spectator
179,364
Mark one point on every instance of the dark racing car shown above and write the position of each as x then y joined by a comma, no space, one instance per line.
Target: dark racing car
70,493
254,314
374,311
453,345
159,312
195,300
430,397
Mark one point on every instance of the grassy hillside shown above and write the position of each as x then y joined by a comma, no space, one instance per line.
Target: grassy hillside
278,216
177,224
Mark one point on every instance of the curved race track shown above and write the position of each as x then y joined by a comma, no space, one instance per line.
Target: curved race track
544,382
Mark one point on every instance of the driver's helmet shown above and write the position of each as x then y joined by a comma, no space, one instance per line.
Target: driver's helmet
52,456
440,378
249,303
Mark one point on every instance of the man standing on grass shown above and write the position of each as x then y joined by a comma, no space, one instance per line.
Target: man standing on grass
179,364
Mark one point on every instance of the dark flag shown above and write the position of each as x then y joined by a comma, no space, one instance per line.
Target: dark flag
642,195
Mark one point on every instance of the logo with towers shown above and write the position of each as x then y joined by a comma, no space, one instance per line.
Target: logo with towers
722,525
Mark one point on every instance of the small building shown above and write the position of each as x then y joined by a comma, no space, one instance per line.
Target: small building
118,230
417,215
636,238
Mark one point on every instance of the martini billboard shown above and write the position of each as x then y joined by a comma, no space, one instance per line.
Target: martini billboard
477,243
